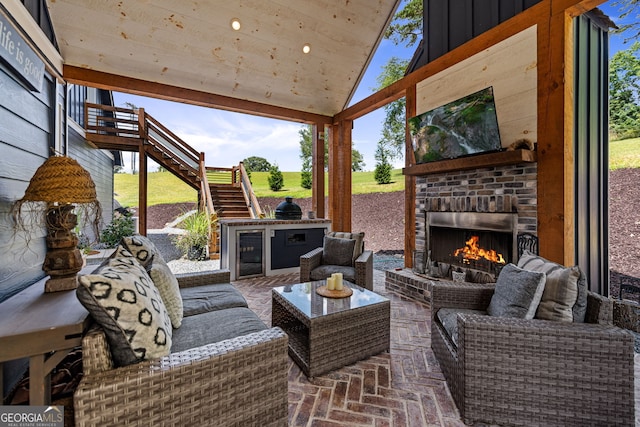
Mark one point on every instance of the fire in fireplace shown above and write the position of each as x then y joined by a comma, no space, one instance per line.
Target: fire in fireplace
479,243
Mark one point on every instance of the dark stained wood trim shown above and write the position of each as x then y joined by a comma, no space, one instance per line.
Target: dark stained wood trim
320,134
409,182
555,141
501,158
340,177
140,87
142,191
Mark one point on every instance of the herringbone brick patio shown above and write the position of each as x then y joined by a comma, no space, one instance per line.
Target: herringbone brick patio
402,387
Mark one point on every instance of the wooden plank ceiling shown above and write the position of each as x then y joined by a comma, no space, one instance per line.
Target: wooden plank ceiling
190,44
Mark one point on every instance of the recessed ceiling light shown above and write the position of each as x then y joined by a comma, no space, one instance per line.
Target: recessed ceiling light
306,48
235,24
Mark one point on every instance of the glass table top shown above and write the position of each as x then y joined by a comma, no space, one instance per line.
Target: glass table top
305,298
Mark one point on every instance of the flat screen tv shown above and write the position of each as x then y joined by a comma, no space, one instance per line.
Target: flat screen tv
460,128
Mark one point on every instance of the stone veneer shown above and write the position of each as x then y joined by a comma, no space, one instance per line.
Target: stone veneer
504,189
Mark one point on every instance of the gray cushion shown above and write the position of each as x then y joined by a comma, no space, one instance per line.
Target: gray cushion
201,299
448,317
565,294
122,298
358,248
215,326
169,289
337,251
324,271
517,294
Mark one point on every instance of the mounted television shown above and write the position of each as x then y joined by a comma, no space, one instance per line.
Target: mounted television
460,128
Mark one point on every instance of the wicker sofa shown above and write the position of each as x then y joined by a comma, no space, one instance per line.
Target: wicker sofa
511,371
225,367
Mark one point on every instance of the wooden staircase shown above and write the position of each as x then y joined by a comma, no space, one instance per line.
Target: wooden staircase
222,192
229,201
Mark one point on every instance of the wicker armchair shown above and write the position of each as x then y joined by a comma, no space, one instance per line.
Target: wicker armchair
534,372
240,381
360,272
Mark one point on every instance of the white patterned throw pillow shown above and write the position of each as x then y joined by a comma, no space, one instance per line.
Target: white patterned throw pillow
122,298
169,288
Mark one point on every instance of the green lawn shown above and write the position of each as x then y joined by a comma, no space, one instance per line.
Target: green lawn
624,154
164,187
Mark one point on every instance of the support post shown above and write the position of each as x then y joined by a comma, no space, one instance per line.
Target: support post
319,133
340,176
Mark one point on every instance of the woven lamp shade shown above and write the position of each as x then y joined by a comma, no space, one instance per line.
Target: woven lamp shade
62,180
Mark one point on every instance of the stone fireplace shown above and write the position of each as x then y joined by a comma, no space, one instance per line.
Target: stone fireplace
477,243
482,210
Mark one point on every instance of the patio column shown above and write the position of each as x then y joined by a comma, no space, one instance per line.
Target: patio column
317,192
340,176
142,177
555,137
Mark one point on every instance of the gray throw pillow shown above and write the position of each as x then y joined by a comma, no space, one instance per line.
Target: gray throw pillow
517,294
565,294
337,251
358,248
123,300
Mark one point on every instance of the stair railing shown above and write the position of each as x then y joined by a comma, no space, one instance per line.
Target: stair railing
249,196
166,141
206,205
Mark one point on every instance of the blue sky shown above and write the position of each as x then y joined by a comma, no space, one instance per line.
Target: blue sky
227,138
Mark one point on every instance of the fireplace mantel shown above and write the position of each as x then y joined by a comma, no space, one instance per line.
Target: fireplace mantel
478,161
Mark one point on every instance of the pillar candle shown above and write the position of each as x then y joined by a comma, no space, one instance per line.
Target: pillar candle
331,283
338,280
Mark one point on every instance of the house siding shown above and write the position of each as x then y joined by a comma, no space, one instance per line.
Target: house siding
26,134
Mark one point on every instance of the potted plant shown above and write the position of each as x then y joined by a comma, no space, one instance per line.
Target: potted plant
194,241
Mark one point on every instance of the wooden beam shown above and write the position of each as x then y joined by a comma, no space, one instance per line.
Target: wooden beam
500,158
147,88
340,176
555,138
142,191
320,135
409,182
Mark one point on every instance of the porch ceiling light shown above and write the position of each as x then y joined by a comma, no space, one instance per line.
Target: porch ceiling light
235,24
306,48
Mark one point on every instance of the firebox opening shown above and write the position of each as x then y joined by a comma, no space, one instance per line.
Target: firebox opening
478,250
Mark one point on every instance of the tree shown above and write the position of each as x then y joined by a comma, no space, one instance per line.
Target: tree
393,129
629,8
406,28
624,93
256,164
382,172
357,161
275,178
306,155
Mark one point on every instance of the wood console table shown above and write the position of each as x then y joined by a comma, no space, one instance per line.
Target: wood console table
43,327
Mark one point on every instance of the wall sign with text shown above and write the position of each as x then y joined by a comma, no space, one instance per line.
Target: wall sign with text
18,55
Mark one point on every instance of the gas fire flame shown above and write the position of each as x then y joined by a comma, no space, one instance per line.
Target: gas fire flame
472,251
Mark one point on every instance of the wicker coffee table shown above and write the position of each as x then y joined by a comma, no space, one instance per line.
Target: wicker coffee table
328,333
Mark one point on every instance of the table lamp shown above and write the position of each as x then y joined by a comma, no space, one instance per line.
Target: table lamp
60,184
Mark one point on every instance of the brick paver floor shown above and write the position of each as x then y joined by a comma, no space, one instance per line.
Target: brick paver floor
403,387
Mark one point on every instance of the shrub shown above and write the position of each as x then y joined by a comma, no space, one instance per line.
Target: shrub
193,243
382,173
122,225
276,180
306,180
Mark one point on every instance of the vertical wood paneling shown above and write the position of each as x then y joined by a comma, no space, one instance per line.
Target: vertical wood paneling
591,152
449,24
